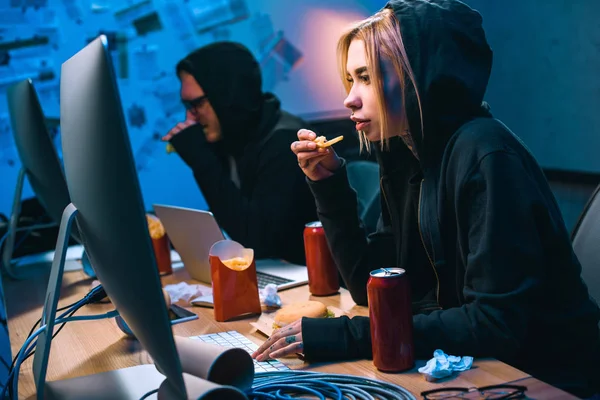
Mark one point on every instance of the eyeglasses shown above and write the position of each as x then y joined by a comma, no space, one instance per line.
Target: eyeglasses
193,105
495,392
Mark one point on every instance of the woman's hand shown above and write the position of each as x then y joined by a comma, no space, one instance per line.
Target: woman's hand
316,163
283,342
178,128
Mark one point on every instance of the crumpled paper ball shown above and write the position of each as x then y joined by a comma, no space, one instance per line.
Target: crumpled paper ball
443,365
269,297
186,292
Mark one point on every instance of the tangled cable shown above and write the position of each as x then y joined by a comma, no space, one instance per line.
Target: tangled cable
28,349
285,385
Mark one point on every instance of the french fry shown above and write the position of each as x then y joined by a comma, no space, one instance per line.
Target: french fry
322,142
236,263
156,228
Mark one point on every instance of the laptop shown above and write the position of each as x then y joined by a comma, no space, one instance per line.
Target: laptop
193,232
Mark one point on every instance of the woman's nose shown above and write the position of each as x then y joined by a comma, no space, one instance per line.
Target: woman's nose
352,101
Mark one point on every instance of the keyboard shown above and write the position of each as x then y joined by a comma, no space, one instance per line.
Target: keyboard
264,279
236,339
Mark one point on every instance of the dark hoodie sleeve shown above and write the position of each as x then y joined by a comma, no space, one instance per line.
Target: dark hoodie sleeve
327,339
195,151
504,212
267,219
355,254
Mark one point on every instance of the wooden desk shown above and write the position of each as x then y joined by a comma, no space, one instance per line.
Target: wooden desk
90,347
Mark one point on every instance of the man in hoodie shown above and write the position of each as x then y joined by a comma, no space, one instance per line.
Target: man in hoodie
236,140
466,209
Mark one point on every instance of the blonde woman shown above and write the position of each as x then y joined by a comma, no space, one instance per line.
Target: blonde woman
467,211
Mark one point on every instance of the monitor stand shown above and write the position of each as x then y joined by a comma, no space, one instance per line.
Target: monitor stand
19,269
127,383
132,384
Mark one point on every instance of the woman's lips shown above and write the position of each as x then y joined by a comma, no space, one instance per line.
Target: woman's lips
362,125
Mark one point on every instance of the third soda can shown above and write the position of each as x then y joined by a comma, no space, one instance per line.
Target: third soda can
323,277
391,321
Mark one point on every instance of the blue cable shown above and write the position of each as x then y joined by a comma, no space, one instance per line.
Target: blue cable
93,296
29,346
256,395
148,394
110,314
15,372
287,384
335,392
33,335
295,389
87,299
72,308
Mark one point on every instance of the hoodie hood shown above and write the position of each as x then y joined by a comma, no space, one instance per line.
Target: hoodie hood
231,79
451,61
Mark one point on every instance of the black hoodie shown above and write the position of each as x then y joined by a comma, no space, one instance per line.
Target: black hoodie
473,222
268,210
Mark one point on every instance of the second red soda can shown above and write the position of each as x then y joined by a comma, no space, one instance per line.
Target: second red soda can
391,321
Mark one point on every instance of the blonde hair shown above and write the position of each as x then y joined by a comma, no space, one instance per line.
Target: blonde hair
381,36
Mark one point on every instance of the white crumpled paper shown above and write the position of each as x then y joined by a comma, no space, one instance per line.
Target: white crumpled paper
186,292
269,297
443,365
199,295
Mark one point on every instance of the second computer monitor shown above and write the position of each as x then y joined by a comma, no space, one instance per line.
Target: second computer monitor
104,186
36,151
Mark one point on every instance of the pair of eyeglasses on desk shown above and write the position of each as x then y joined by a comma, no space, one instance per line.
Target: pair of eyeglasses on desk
493,392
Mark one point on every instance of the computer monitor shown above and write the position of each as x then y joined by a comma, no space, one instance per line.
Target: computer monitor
40,163
107,201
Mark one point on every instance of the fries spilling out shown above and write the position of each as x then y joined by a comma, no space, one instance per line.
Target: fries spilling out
322,141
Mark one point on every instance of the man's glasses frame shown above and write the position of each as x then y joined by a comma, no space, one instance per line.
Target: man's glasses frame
194,104
495,392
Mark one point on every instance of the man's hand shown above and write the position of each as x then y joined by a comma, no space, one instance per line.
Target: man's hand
178,128
283,342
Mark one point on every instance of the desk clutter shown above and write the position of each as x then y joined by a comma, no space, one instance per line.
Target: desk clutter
229,259
224,359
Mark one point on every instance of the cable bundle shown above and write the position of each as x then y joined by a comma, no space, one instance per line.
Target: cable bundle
28,348
291,384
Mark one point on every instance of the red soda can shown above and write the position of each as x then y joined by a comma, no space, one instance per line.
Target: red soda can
323,278
390,314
